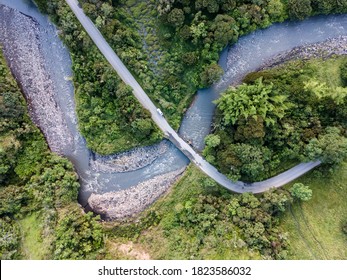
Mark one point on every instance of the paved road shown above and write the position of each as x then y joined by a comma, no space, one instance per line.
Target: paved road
171,134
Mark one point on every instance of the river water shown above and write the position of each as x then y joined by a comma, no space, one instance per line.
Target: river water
248,54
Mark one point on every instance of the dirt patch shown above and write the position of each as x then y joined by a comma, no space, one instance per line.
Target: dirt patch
129,249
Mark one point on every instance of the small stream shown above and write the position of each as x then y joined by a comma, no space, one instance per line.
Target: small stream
247,55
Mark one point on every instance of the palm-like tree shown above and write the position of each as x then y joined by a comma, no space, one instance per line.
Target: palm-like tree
254,100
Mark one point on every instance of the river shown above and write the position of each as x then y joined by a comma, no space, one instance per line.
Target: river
247,55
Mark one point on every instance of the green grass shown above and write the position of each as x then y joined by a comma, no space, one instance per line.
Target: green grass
315,227
33,247
328,71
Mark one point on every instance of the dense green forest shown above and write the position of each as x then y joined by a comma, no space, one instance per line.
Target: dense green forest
39,214
278,117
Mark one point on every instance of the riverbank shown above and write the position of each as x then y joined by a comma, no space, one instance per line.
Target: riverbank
127,203
130,160
23,52
325,49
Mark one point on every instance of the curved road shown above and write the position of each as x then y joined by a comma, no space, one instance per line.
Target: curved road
169,132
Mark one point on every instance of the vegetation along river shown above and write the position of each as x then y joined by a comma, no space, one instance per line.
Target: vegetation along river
51,65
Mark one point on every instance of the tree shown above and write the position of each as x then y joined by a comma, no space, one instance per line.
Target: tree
253,160
185,33
143,127
299,9
176,17
330,148
13,200
252,101
56,185
164,6
78,235
107,9
9,239
275,202
11,103
224,29
212,140
212,6
322,90
42,4
245,160
301,192
190,58
99,22
276,10
343,73
211,74
198,28
250,130
322,6
228,5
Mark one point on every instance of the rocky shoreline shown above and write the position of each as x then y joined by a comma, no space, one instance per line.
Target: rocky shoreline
127,203
22,50
325,49
130,160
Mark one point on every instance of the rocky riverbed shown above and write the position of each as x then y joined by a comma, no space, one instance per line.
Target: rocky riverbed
129,161
22,49
127,203
325,49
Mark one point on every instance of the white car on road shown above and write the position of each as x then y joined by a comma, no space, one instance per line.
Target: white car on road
160,112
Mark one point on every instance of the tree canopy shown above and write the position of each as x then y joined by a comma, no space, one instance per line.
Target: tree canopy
251,101
301,192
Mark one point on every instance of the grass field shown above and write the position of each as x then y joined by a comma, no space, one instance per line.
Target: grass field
315,227
32,246
328,71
